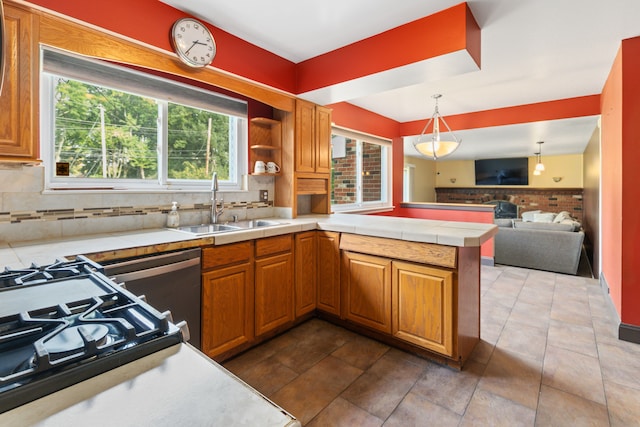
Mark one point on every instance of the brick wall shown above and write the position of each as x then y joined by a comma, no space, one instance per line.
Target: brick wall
343,178
546,200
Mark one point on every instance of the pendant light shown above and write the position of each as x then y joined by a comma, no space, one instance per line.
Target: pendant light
539,165
433,143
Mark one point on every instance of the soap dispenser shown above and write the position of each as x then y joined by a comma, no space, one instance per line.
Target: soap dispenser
173,218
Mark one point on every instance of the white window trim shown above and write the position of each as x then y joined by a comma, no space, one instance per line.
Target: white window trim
385,177
162,184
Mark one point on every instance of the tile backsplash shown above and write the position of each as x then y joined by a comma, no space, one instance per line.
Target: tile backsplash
28,213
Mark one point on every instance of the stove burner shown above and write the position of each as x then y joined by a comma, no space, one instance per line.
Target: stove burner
66,322
74,338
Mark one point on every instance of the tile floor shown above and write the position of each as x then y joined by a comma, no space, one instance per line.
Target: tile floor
549,356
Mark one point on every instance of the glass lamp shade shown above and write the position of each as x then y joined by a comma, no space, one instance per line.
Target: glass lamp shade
540,167
436,149
536,172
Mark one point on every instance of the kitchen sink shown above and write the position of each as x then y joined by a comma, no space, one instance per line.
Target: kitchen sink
256,223
206,229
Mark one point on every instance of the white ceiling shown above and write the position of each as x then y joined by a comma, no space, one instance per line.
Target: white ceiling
532,51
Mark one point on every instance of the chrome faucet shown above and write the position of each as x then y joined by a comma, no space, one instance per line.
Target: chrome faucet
215,212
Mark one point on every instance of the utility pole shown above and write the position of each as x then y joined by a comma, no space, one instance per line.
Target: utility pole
206,165
104,142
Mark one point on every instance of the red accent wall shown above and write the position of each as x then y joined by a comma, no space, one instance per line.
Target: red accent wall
150,21
447,31
620,175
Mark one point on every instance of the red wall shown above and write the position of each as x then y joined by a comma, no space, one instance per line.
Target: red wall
620,175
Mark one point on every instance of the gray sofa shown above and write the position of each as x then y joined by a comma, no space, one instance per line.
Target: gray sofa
539,245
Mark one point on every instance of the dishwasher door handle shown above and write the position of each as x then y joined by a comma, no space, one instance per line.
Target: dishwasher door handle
156,271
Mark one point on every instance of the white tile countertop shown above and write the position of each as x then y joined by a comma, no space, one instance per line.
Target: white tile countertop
177,386
135,243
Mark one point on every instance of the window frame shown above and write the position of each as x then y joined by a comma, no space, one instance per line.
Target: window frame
238,153
386,175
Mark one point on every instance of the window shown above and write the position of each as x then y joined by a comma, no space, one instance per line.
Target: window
112,127
360,172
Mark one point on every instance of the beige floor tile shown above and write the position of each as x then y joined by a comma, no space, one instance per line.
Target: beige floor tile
571,312
416,410
384,385
532,315
536,296
482,352
361,352
488,409
449,388
343,413
623,403
572,337
620,363
513,376
574,373
312,391
561,409
524,339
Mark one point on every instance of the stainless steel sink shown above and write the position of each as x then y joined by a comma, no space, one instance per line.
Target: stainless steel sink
256,223
207,229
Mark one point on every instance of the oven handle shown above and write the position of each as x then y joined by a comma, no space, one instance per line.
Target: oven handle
156,271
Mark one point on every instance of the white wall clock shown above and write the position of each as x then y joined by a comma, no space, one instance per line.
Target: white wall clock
193,42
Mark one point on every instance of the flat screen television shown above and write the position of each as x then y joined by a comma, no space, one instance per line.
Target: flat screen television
511,171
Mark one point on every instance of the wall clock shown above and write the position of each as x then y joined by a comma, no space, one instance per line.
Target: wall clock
193,42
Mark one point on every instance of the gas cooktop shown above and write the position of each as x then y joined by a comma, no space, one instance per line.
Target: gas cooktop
66,322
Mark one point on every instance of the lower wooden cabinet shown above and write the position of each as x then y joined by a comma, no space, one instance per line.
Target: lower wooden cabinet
328,276
274,304
305,250
227,308
422,306
274,292
366,290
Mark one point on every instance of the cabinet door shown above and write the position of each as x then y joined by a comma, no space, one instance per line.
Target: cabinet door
305,272
422,306
328,259
305,147
323,140
366,282
17,102
227,308
274,292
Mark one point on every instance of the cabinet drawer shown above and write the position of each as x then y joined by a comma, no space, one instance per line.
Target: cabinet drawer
273,245
219,256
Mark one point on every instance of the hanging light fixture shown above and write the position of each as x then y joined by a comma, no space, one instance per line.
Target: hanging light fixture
438,144
539,165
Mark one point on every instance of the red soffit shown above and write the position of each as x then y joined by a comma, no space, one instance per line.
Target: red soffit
443,44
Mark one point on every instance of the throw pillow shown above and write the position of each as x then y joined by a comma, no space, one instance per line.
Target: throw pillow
562,216
543,217
528,216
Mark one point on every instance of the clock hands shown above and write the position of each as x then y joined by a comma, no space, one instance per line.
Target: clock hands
192,46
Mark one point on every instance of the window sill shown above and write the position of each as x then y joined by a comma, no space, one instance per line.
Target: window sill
362,210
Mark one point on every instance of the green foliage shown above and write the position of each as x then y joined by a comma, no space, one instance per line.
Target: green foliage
130,128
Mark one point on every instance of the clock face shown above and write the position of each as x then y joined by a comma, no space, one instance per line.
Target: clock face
193,42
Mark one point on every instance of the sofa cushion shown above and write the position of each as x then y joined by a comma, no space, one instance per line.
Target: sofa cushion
550,226
544,217
503,222
564,215
528,216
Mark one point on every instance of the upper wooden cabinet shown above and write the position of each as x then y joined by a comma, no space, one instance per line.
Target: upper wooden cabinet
312,138
18,100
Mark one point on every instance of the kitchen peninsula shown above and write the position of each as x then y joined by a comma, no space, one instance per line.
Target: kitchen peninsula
411,282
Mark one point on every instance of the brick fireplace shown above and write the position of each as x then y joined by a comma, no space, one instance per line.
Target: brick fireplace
527,199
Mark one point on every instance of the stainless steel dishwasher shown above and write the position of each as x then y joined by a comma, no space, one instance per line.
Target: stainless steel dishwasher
169,281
